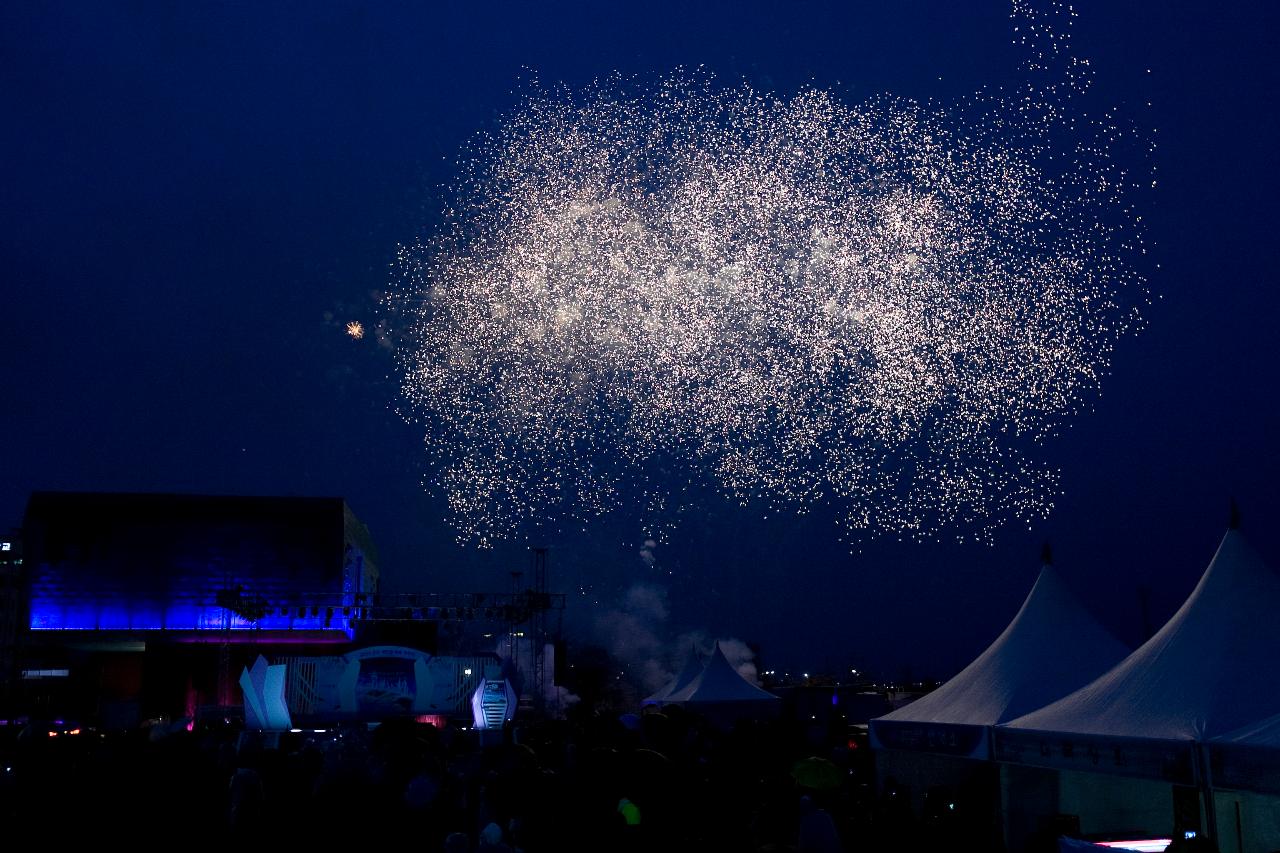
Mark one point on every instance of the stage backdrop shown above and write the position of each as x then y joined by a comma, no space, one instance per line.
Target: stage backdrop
383,681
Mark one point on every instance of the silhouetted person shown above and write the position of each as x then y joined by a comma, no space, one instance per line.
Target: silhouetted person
247,800
817,830
491,840
457,842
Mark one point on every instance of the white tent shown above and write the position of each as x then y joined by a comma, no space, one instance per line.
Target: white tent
1248,759
718,683
1263,734
1168,721
1052,647
1208,671
692,669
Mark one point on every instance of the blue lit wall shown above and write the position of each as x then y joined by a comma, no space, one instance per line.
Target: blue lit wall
55,614
157,562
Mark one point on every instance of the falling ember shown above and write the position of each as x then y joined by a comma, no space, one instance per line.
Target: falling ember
880,307
355,329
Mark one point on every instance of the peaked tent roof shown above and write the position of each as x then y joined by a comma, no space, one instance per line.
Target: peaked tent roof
719,682
1249,758
1052,646
692,669
1206,672
1261,733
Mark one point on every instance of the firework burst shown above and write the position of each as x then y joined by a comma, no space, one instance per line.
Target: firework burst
882,307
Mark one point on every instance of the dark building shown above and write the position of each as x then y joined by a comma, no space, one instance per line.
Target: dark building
147,605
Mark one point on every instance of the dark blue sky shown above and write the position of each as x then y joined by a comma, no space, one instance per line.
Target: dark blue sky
189,188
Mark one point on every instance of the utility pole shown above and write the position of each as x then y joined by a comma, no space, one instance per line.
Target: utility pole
516,618
538,626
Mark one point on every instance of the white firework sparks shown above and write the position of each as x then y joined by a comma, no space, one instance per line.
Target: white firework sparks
882,307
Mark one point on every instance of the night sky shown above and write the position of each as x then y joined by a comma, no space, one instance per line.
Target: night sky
197,197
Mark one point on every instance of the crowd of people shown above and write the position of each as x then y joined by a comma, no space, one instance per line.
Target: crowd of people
667,780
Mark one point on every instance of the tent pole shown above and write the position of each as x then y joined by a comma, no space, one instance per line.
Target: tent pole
1204,779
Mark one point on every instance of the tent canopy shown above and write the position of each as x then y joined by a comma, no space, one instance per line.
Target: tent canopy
1207,672
1052,646
1249,757
718,682
692,669
1265,733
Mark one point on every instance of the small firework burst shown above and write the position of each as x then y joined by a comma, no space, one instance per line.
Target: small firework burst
355,329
